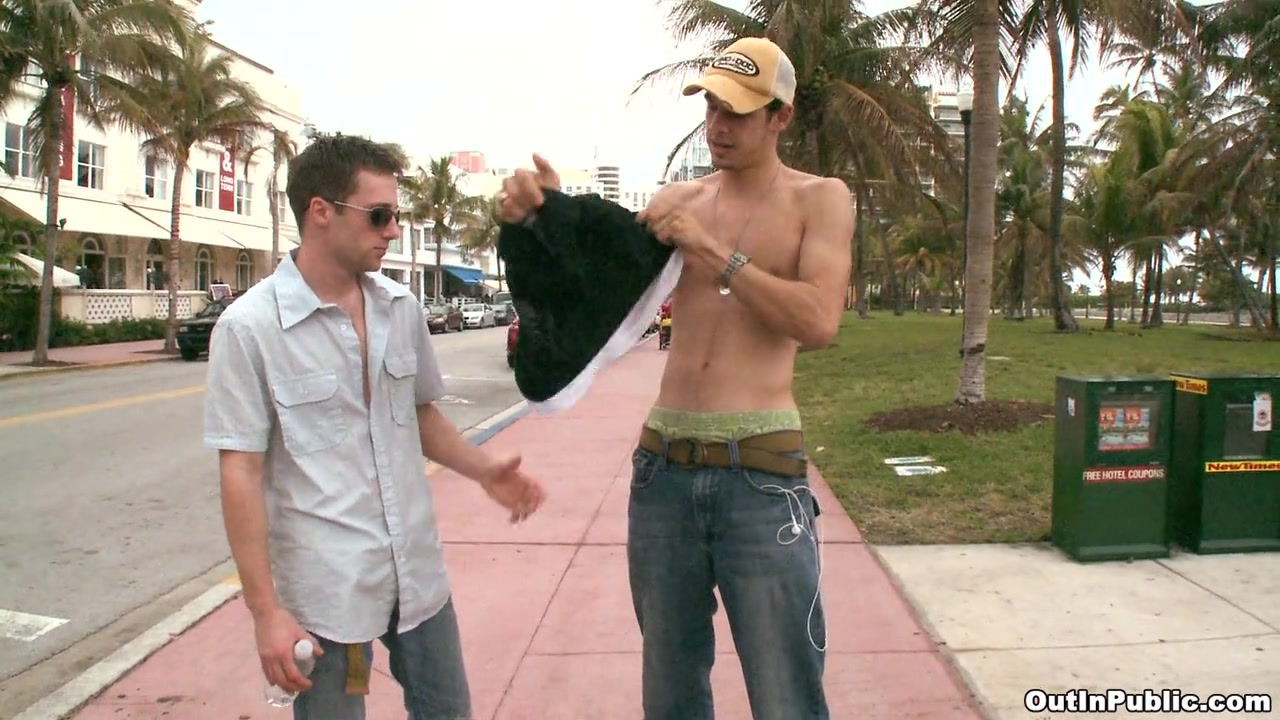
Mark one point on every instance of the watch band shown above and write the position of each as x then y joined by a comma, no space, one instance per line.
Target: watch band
736,262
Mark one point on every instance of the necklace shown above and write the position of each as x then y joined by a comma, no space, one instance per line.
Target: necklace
715,213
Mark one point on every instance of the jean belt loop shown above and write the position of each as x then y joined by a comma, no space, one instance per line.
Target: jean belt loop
735,455
666,450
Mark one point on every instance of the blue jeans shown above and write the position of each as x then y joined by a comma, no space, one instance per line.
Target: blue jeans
426,661
693,529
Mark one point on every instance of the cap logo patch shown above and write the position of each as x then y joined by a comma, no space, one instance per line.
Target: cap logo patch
736,62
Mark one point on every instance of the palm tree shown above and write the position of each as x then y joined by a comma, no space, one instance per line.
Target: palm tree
1030,23
70,47
282,149
860,115
478,230
194,97
436,197
981,230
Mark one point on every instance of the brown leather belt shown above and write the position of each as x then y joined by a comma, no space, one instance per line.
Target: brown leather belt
765,453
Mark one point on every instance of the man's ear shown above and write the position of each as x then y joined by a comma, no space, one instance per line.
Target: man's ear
782,118
320,212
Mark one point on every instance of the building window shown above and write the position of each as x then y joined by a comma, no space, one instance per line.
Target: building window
204,269
244,195
244,271
155,177
92,267
155,266
204,189
282,206
91,165
117,272
19,156
415,238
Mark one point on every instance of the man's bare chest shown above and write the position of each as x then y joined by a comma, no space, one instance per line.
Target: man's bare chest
769,233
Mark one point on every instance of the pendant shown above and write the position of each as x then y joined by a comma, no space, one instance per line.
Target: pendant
724,289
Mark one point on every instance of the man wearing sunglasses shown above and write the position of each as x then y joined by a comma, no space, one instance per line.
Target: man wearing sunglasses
321,402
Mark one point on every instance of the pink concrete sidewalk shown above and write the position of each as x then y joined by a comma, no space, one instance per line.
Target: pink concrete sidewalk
108,354
545,610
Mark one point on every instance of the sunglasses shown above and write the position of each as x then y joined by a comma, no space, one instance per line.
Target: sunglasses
379,216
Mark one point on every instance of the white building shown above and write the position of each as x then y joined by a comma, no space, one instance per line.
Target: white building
603,180
466,272
114,209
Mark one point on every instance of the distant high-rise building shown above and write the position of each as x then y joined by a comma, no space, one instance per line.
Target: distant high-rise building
695,160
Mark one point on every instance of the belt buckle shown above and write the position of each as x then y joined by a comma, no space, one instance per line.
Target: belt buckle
697,452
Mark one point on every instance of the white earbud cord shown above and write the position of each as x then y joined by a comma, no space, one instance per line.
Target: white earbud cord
789,533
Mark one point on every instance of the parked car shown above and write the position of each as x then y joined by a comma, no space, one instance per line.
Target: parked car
443,318
503,313
513,332
477,315
193,334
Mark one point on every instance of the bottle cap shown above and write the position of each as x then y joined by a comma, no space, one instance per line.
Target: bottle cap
303,650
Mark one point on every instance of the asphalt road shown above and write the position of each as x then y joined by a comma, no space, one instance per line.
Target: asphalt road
109,509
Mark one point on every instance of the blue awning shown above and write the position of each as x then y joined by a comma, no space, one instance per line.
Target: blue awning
470,276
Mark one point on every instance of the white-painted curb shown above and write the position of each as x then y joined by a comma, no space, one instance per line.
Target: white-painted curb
70,697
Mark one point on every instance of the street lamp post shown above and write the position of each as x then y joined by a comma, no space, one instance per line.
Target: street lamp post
964,101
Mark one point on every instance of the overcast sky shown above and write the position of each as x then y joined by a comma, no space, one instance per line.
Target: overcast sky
504,77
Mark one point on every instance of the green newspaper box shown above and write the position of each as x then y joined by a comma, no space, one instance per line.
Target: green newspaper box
1224,488
1111,459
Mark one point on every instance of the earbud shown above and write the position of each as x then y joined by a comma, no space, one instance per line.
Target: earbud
795,529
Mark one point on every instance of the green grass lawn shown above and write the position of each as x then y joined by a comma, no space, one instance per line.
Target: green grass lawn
998,485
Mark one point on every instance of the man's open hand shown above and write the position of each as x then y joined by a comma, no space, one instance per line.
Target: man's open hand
521,194
513,489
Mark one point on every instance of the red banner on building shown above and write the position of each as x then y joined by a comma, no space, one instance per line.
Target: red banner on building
227,178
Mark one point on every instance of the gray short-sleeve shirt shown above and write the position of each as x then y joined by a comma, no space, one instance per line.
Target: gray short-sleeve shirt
351,524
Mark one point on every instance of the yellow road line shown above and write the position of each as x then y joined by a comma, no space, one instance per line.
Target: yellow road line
95,407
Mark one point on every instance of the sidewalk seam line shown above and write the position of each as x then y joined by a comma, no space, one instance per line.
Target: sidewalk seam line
950,660
1163,562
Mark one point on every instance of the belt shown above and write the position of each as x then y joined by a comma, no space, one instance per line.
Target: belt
764,453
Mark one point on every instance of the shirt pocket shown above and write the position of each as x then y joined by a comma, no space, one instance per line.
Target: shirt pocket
402,376
310,412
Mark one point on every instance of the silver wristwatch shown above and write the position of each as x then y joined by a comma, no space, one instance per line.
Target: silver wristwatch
736,262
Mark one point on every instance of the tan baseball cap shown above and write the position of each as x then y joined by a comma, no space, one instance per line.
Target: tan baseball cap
748,75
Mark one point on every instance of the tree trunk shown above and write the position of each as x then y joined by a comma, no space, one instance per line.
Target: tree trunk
439,279
1195,283
1157,314
1275,306
171,272
1108,273
44,327
980,229
53,175
274,191
1147,283
1063,319
415,284
859,254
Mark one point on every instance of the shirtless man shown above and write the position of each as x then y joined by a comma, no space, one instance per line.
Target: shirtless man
719,495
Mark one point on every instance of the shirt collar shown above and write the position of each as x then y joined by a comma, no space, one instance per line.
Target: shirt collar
296,300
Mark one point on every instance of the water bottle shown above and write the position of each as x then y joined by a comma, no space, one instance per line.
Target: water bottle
304,655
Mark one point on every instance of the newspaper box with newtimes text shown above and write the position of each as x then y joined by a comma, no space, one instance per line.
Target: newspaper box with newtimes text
1111,464
1224,484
